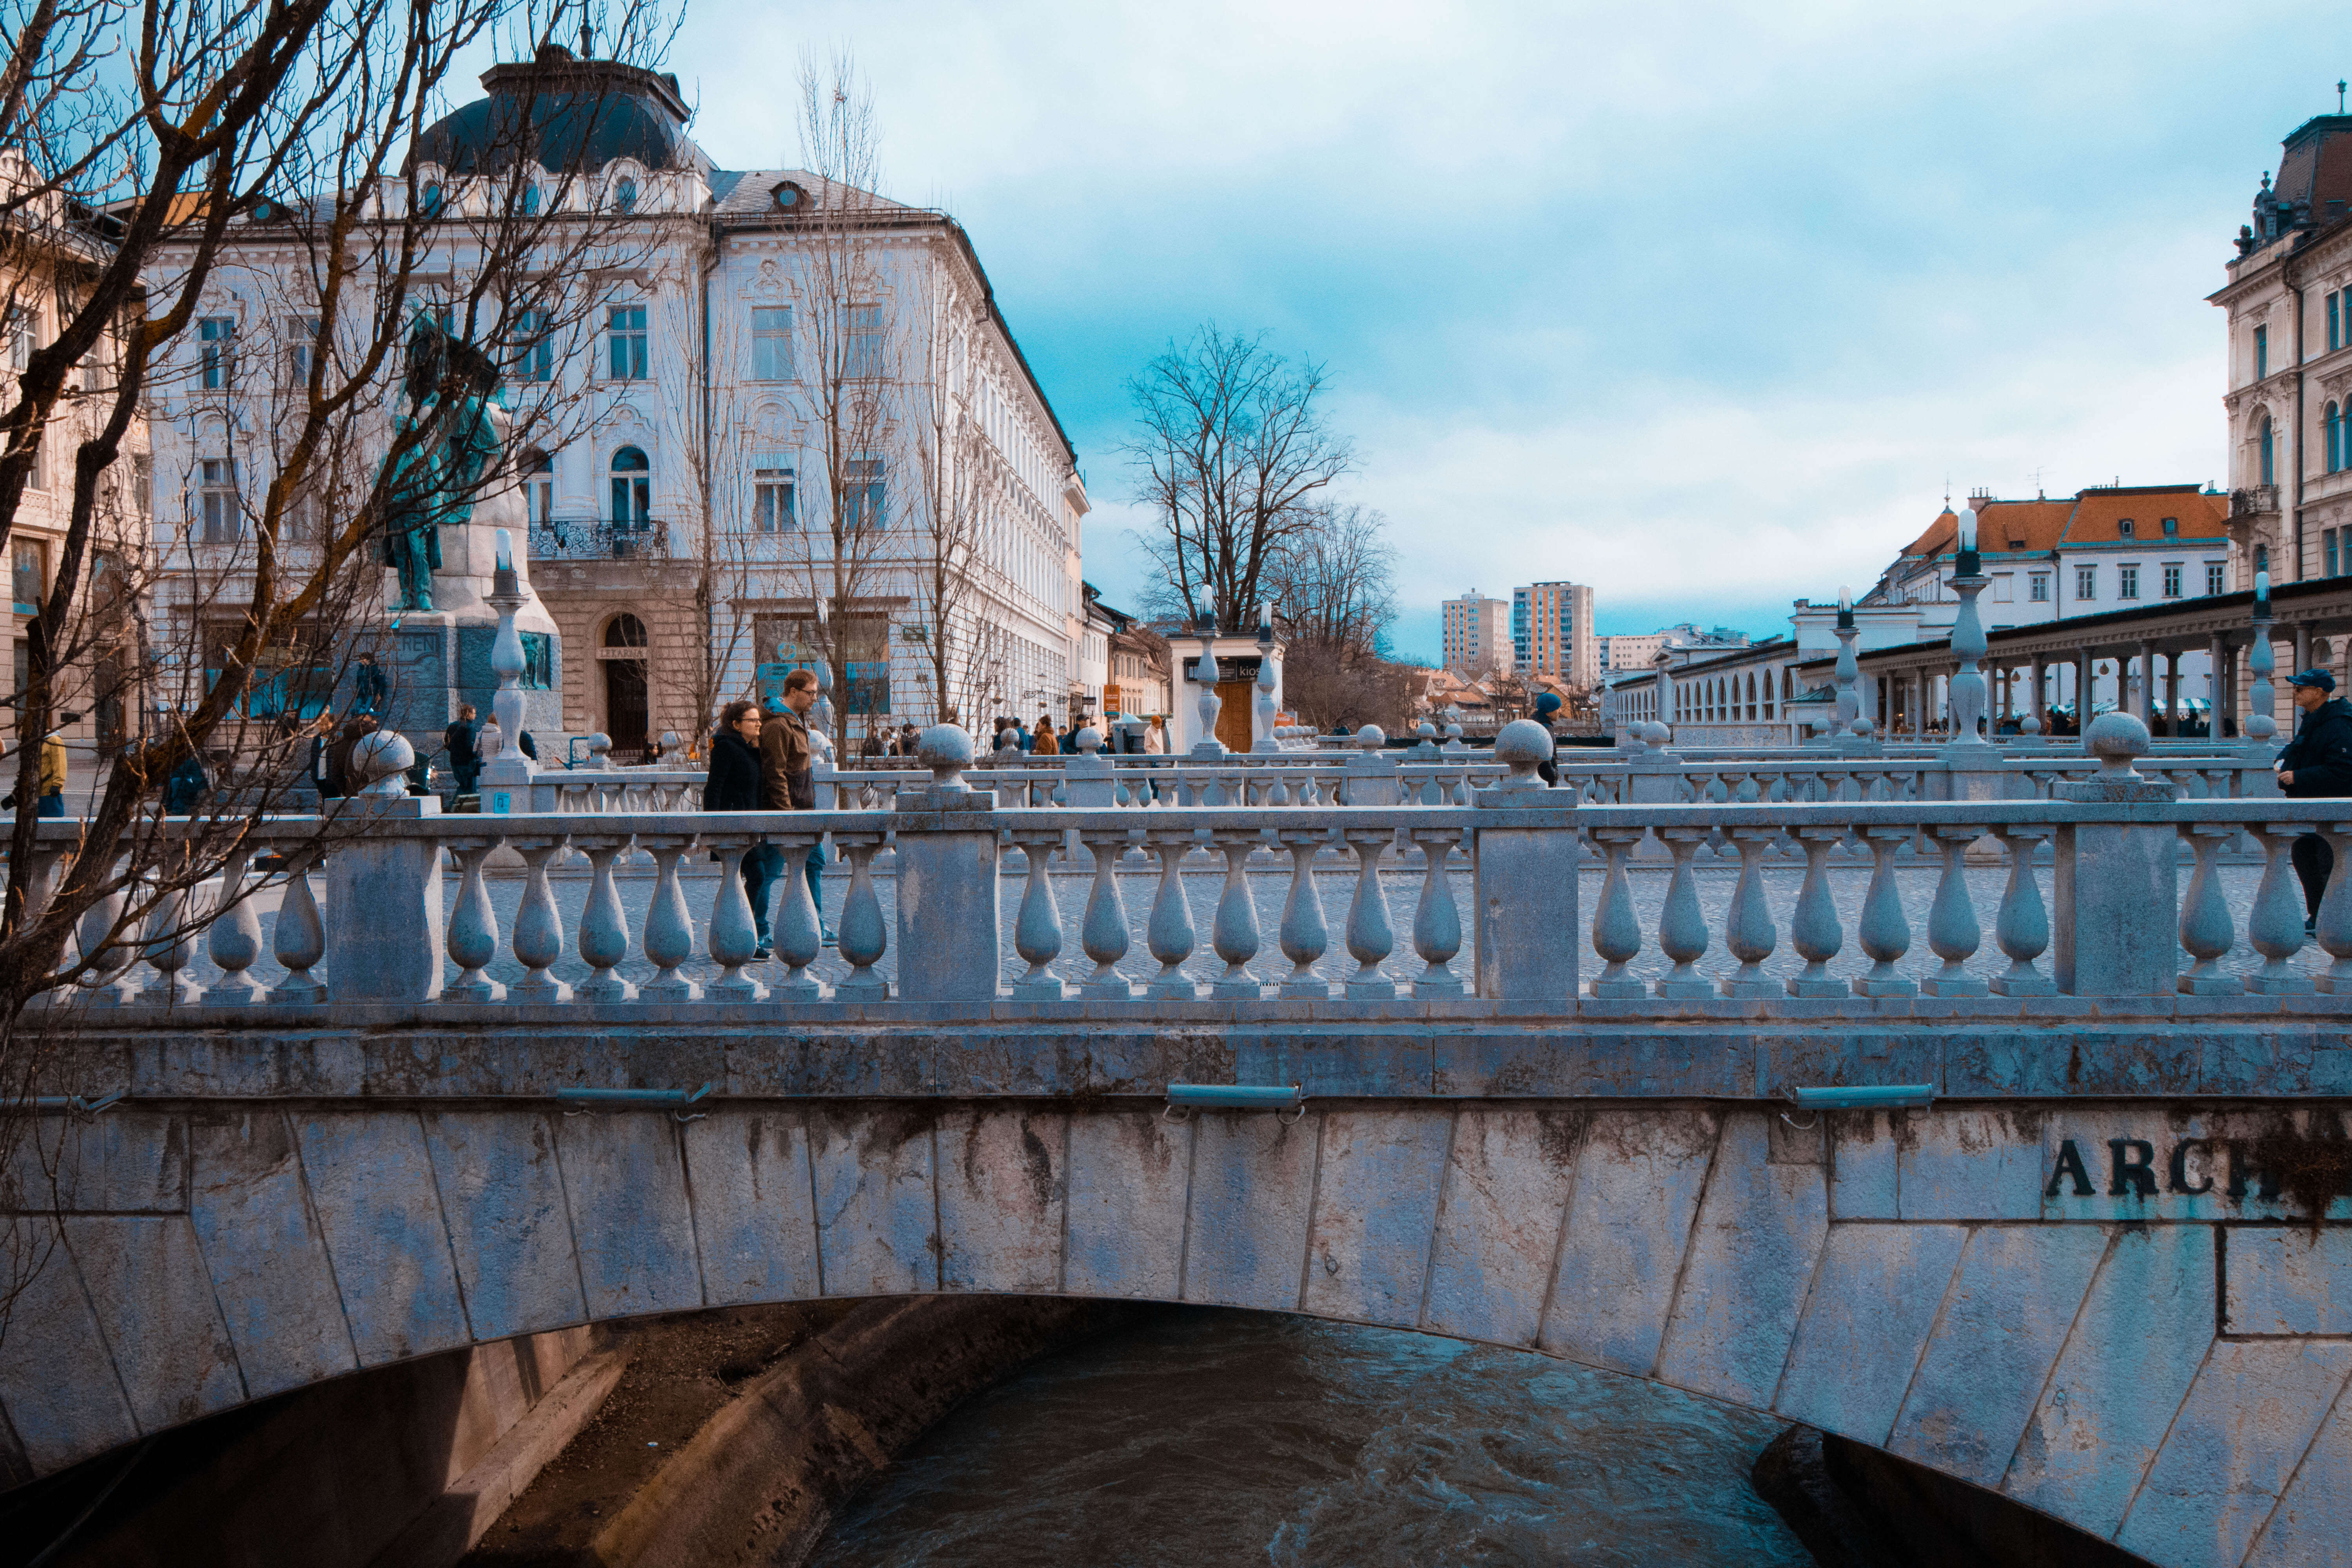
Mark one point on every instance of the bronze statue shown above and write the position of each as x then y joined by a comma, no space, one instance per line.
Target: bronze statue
432,479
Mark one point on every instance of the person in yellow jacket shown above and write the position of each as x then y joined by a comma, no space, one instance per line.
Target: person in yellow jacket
52,768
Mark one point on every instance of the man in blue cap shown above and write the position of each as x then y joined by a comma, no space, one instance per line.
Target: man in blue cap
2316,763
1548,708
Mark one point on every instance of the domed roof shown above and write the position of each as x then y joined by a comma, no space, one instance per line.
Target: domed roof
565,114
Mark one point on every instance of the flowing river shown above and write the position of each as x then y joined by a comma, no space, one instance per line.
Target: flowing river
1203,1435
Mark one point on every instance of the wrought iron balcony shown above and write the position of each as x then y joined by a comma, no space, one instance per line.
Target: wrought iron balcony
2254,500
599,539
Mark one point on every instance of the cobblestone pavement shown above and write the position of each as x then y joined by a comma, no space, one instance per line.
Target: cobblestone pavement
1335,884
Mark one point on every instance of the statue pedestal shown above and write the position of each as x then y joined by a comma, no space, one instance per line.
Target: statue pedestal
438,658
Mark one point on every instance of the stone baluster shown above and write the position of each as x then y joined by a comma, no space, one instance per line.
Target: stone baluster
1038,932
2206,930
1304,936
300,938
473,941
669,924
106,957
170,945
795,935
1233,935
1886,933
604,926
733,939
235,941
2275,924
1370,940
1748,925
539,927
1436,919
1953,933
2021,926
1814,930
1616,930
1102,935
1170,936
2335,922
864,935
1682,929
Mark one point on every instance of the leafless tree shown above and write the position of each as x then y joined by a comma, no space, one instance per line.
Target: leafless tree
850,337
1232,451
147,143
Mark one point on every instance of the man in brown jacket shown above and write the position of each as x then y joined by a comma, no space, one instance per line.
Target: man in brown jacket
787,759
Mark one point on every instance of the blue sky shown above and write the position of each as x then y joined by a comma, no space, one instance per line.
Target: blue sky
1703,305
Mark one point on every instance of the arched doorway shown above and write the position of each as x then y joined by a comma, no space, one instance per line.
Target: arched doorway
624,659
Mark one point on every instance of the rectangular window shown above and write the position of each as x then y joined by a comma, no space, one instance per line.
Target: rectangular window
217,337
2172,580
29,564
863,325
19,345
2128,582
301,338
2327,551
628,326
534,353
2041,590
863,504
2335,324
217,504
771,495
142,484
2262,352
2216,577
771,342
632,500
2086,581
538,496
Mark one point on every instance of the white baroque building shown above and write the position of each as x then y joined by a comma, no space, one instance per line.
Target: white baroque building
742,371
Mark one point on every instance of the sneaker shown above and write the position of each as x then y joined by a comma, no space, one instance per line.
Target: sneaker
829,940
759,953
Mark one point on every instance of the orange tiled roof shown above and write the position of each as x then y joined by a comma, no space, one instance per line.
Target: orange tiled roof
2000,525
2099,513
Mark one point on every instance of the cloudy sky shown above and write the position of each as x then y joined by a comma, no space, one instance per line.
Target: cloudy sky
1704,305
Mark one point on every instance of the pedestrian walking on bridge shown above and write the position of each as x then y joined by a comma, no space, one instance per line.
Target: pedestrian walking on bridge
2318,763
787,779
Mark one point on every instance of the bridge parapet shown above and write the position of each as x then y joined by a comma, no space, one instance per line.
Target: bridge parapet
2116,934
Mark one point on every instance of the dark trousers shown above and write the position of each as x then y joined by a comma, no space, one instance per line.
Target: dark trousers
762,864
2312,861
51,805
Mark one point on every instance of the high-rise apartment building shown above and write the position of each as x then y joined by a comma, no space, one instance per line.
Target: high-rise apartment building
1478,634
1551,632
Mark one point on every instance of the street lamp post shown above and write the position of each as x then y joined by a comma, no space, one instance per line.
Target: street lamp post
1967,683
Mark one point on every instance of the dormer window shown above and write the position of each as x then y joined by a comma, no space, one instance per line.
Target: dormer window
429,201
2171,526
2126,528
789,196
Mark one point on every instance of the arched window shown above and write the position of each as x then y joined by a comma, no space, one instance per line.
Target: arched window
625,630
531,199
2268,457
633,487
429,201
2331,425
625,195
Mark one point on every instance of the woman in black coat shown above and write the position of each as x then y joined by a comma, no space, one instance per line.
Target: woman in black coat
733,784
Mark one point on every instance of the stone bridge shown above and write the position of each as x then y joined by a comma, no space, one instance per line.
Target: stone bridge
2089,1276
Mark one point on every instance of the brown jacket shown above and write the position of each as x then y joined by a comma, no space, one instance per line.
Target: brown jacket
785,758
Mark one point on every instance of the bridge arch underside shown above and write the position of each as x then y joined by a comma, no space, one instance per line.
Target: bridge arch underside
2159,1363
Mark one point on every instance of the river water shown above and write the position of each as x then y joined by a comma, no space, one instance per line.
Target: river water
1202,1435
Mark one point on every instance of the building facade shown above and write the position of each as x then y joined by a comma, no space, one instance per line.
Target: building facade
789,422
1478,634
1551,632
2289,386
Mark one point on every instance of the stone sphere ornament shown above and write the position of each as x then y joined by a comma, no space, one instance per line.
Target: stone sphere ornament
2116,739
1524,746
1369,738
381,757
947,751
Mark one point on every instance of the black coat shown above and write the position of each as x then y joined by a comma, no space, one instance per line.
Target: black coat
733,783
2320,755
